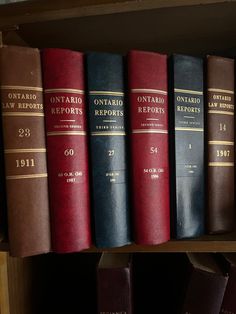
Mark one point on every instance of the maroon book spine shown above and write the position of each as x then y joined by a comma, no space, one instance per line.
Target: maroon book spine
64,96
114,284
149,146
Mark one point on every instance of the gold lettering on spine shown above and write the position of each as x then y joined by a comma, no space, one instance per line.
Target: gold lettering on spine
220,164
108,133
25,150
26,101
139,131
189,129
27,176
187,91
57,133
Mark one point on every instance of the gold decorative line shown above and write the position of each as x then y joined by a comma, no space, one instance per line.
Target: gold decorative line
188,91
27,176
189,129
64,90
108,133
230,113
22,114
53,133
140,131
25,150
33,88
221,143
221,164
218,90
104,92
148,90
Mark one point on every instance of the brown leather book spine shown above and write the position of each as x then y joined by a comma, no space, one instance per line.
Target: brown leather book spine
220,143
24,151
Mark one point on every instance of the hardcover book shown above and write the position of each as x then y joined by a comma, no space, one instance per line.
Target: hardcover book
114,286
220,140
229,305
107,114
67,151
147,75
24,151
206,285
187,146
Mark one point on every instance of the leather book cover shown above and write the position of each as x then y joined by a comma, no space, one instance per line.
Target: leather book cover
205,287
114,285
147,76
24,151
107,119
187,146
220,140
67,151
229,305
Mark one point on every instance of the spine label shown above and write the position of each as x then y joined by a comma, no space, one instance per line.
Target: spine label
221,137
189,127
65,118
23,120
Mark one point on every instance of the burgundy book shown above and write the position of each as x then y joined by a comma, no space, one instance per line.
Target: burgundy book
24,151
206,285
114,286
63,80
229,305
147,74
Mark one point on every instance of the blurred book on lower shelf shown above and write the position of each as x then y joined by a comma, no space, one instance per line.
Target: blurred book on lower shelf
205,285
114,286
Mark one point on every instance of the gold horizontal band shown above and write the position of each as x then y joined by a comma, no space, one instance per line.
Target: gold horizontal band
27,176
148,90
221,164
53,133
25,150
104,92
140,131
63,90
33,88
221,143
188,91
22,114
189,129
218,90
108,133
230,113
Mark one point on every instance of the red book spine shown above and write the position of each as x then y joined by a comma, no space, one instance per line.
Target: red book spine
63,77
149,146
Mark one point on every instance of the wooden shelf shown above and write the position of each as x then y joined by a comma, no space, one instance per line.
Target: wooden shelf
124,25
214,243
44,10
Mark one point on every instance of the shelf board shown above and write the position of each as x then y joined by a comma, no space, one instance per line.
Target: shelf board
44,10
214,243
207,243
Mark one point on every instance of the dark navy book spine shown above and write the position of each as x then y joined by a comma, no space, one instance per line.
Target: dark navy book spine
187,149
107,114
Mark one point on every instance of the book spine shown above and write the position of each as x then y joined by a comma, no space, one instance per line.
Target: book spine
149,146
24,151
228,305
204,293
187,143
220,140
108,149
114,293
68,173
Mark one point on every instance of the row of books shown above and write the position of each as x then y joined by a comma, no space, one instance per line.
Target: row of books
206,285
52,101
